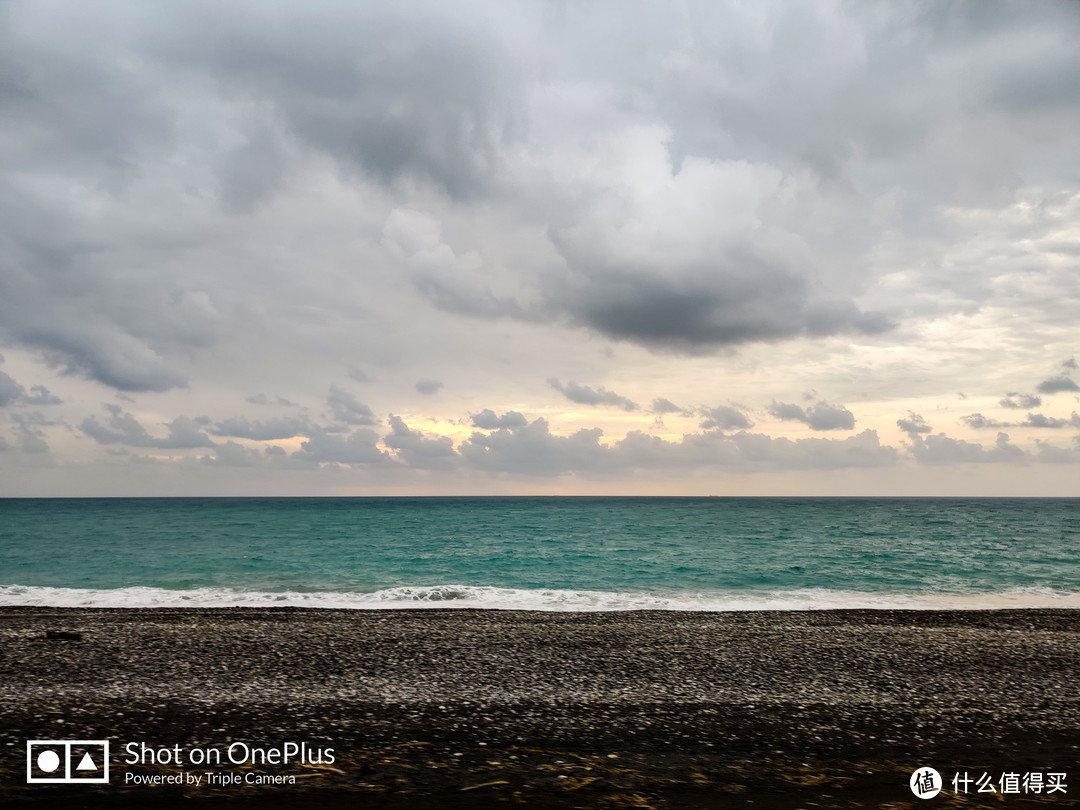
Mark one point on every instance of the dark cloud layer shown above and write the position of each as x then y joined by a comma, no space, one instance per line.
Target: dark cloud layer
747,175
392,93
704,307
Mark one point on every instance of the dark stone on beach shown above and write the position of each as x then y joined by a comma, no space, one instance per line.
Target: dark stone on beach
62,635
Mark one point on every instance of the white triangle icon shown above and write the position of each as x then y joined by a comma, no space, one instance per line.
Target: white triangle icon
86,764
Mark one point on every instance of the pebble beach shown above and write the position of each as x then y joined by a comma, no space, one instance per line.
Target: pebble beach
464,708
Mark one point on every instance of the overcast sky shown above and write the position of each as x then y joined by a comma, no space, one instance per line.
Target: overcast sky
539,247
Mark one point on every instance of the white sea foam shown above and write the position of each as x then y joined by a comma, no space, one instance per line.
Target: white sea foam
468,596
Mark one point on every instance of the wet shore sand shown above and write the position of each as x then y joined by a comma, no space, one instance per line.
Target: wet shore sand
463,708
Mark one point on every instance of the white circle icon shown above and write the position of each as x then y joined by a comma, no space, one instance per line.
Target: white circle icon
925,783
48,761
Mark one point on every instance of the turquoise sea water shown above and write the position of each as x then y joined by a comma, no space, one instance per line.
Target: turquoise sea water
552,553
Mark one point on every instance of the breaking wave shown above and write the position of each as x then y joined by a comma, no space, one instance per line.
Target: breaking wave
471,596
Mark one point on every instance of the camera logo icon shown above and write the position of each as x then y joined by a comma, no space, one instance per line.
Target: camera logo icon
67,761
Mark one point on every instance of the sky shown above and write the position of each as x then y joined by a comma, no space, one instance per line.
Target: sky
491,248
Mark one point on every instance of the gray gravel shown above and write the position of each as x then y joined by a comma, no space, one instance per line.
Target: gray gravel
681,702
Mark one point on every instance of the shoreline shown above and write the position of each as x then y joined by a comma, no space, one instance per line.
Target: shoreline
467,707
1062,616
512,599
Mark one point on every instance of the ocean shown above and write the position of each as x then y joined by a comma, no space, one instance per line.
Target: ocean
542,553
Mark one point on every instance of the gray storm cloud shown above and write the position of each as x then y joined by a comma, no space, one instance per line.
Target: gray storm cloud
694,303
